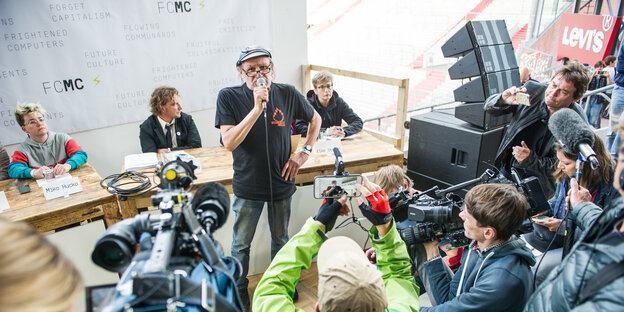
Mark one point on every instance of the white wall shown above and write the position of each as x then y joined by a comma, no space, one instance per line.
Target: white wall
106,147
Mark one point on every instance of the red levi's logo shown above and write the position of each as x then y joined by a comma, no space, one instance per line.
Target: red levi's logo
278,118
587,38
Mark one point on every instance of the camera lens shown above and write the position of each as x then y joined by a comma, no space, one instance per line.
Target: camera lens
112,254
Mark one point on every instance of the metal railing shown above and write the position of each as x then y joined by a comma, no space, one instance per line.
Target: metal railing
428,107
598,92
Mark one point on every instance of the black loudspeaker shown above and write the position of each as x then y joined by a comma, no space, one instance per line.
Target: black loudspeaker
447,149
484,60
480,88
474,114
476,34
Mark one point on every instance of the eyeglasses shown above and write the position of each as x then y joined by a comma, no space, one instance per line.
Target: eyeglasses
261,70
325,87
33,122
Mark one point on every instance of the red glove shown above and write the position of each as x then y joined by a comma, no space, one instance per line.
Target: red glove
378,212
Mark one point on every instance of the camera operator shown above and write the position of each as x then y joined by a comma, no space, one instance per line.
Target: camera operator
591,276
346,278
393,179
495,274
34,275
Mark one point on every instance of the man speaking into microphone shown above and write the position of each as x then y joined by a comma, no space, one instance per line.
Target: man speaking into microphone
527,143
254,119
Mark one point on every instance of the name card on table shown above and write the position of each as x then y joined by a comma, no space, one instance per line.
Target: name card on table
59,188
326,147
4,203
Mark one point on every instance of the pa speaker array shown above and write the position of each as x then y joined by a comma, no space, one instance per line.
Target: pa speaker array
488,61
446,150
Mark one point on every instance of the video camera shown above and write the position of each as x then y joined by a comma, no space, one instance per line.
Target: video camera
179,266
438,219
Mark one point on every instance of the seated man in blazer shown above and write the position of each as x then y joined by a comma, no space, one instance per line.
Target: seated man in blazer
168,128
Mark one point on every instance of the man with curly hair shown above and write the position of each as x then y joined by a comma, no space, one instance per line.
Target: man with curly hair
168,128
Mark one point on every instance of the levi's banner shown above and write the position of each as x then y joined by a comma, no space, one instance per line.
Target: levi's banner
586,38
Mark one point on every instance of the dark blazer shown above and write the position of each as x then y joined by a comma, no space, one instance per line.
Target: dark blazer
152,136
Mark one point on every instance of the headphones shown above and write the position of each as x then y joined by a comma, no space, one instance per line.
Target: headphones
622,180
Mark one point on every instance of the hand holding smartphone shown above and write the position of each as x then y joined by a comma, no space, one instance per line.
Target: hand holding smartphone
540,219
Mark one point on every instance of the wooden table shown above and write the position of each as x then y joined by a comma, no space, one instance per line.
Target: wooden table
363,153
46,215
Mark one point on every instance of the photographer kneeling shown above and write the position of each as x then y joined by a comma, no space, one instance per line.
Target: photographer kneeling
495,274
346,278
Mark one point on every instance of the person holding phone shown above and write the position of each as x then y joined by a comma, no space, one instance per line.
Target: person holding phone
599,79
548,225
346,280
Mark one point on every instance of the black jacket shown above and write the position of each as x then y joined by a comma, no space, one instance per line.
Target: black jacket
542,161
152,136
336,111
601,244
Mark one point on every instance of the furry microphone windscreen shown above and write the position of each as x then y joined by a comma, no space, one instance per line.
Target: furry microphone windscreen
213,191
570,130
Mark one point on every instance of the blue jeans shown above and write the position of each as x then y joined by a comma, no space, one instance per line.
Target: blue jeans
615,112
247,213
593,112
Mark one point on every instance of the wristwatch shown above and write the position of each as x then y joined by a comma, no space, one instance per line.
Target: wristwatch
307,149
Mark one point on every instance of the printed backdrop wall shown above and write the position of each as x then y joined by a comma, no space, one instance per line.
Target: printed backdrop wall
94,64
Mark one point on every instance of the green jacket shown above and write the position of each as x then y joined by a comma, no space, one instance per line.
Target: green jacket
275,290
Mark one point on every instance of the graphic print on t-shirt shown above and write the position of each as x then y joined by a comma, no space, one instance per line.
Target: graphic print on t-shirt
278,119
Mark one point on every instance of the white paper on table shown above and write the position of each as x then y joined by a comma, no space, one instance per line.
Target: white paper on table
4,203
140,161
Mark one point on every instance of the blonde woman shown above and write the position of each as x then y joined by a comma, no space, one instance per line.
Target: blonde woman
34,275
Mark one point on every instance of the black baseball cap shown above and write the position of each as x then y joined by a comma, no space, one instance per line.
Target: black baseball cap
251,52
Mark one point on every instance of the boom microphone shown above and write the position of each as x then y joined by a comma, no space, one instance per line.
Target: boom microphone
261,82
574,134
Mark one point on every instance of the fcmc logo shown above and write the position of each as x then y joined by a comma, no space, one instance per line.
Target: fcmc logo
65,85
174,6
607,22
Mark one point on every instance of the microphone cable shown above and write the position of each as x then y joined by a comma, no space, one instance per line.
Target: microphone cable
548,249
266,142
115,183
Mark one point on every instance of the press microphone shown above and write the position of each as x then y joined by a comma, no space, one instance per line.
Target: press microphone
574,134
261,82
212,204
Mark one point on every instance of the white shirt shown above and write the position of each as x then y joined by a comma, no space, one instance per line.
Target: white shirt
611,71
163,124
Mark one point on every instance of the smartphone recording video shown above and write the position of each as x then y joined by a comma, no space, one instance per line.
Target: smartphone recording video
336,186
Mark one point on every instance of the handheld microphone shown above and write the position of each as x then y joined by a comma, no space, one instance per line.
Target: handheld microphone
579,168
574,134
261,82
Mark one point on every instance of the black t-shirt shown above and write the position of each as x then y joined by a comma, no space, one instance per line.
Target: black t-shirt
251,172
